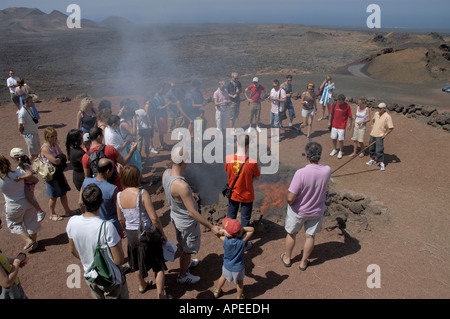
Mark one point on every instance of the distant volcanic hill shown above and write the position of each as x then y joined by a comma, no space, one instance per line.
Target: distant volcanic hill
32,20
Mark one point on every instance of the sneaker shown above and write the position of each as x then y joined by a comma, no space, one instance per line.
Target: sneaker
333,152
371,162
193,263
40,215
290,124
249,130
248,245
339,155
188,279
154,151
258,129
382,167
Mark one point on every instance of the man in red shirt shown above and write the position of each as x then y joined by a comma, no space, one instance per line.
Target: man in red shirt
243,193
254,100
341,113
96,136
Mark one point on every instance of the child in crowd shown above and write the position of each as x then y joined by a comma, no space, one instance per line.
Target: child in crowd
18,155
233,268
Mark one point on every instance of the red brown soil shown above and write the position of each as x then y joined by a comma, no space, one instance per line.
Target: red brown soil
410,242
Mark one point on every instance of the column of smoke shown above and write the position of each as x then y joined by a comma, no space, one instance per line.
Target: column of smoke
153,55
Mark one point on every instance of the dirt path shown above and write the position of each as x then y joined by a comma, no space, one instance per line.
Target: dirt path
410,243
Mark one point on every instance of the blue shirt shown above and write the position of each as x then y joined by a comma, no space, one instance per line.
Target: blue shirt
108,210
233,258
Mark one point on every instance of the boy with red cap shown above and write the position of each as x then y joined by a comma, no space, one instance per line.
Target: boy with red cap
233,268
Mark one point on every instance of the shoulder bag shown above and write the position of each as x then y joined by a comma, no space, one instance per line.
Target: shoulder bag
227,190
147,235
105,275
43,169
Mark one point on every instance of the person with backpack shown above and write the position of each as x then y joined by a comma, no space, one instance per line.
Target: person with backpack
98,151
86,232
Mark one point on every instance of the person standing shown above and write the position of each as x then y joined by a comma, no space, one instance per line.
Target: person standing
134,205
84,232
382,126
234,89
306,198
86,116
28,127
21,90
361,117
234,242
10,285
20,214
11,83
287,86
184,214
222,103
309,108
108,209
75,152
277,106
254,101
58,187
341,113
326,92
96,136
243,193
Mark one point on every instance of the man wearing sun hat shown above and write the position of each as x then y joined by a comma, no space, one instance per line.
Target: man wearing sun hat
382,125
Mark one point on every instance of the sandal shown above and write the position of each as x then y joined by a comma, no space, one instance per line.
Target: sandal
282,260
217,293
30,244
55,218
304,268
148,286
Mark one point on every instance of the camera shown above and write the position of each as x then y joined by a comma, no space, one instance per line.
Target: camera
35,120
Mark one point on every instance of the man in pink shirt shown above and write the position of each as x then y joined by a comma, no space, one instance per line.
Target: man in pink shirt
306,198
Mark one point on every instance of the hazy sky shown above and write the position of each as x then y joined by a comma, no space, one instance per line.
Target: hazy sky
416,14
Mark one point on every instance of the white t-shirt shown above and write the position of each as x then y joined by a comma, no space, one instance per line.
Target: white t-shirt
113,138
12,191
26,119
84,233
276,107
141,119
11,81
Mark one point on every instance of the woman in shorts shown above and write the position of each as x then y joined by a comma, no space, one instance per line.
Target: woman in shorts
309,106
362,117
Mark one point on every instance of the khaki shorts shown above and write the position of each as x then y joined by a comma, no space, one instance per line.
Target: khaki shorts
234,110
358,133
255,111
294,223
33,143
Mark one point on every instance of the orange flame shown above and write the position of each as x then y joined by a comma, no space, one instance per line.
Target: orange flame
274,195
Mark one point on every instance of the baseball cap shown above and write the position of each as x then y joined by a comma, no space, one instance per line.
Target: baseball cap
232,226
255,79
16,152
382,105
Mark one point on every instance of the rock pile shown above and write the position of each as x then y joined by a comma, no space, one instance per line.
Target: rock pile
349,210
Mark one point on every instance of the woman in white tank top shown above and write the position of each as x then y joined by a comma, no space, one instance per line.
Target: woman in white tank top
362,116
